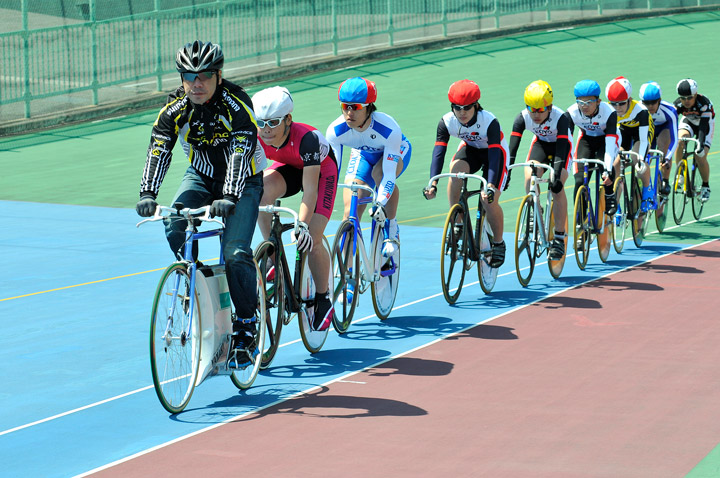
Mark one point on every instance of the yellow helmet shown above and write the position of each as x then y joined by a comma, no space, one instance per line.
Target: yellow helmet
538,94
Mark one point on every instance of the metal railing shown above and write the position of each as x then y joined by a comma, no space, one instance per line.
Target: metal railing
85,53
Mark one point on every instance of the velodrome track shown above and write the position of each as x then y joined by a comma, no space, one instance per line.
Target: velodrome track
611,378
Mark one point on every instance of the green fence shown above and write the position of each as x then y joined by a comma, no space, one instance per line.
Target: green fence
69,54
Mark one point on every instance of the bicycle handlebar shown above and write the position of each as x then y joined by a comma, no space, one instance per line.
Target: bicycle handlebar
591,161
630,154
689,139
536,165
355,187
459,176
162,212
278,209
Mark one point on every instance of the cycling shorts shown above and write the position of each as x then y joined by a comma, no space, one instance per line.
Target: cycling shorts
361,163
327,184
693,130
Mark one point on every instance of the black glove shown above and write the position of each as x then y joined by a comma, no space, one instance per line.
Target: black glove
556,186
223,207
146,206
507,182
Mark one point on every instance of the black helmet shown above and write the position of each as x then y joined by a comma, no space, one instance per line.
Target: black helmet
198,56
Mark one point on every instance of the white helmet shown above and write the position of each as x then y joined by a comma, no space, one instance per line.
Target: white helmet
274,102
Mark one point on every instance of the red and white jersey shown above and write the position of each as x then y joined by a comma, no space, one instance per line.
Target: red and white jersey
547,130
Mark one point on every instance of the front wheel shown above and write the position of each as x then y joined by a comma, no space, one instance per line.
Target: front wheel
679,195
453,254
582,228
312,339
486,274
603,235
346,273
525,240
175,340
244,377
274,285
697,202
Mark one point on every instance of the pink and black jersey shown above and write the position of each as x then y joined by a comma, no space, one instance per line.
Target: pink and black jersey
304,146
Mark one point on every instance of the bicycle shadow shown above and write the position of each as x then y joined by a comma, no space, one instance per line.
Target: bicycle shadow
327,363
486,332
615,285
506,299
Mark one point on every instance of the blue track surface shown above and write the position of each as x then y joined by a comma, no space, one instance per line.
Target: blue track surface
75,308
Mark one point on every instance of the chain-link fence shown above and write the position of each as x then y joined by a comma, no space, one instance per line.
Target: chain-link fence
82,56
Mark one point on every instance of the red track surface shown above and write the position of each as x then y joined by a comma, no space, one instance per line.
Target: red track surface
617,378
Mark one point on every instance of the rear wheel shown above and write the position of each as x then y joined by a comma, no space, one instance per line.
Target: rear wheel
384,290
275,312
174,343
679,196
486,274
346,272
581,228
661,211
525,241
638,217
243,377
312,339
697,203
619,223
603,237
453,254
556,267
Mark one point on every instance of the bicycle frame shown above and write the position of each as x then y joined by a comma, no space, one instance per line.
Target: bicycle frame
367,264
466,194
535,182
592,210
191,235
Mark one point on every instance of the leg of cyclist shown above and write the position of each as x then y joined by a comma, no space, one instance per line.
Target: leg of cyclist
663,143
275,186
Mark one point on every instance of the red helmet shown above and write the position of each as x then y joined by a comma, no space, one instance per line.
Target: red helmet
618,89
464,92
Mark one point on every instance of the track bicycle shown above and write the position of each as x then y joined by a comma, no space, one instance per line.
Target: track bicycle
354,270
589,215
628,200
535,229
687,183
461,247
191,324
287,294
657,205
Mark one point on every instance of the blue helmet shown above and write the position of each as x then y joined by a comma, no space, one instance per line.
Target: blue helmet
650,91
587,88
357,90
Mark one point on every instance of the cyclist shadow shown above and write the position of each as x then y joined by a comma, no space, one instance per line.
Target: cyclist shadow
404,326
324,404
613,284
506,299
486,332
328,363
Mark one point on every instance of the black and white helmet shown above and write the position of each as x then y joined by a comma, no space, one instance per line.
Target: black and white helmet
687,87
198,56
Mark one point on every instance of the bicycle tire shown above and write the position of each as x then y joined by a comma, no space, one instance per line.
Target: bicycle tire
619,223
679,192
638,217
525,241
311,338
384,290
581,227
557,266
662,202
244,377
174,356
346,269
453,253
274,301
603,234
484,238
697,203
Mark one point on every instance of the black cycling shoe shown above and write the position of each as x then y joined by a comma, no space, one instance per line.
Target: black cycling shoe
497,257
665,189
610,204
323,312
243,347
557,248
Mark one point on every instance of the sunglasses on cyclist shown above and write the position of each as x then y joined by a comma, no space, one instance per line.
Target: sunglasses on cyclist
462,108
204,75
651,103
618,103
353,106
585,103
686,97
537,110
272,122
